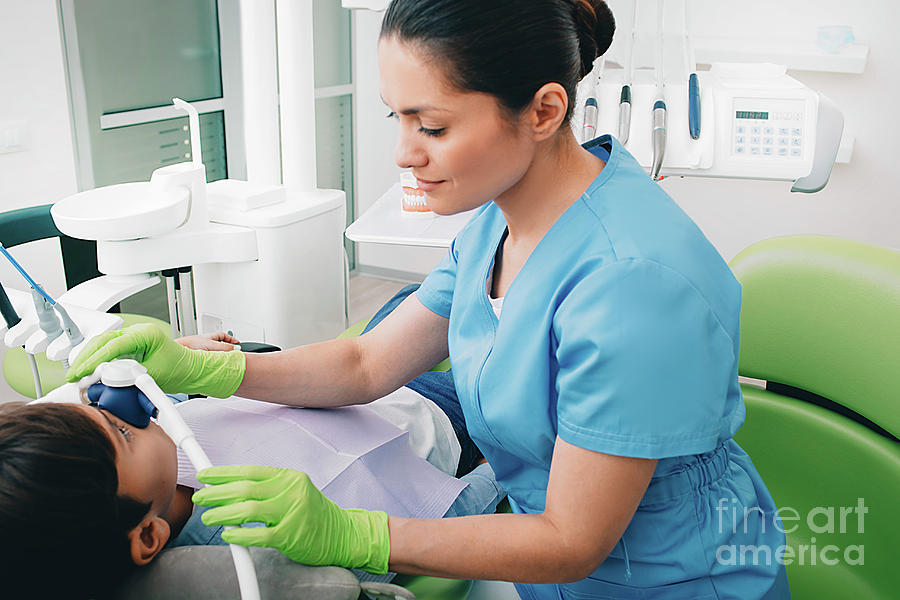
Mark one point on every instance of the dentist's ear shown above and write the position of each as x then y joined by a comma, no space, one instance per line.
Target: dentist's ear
547,111
147,539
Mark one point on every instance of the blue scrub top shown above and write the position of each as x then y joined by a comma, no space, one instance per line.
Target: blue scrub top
619,335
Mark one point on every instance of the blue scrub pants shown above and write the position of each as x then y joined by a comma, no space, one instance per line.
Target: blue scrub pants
669,550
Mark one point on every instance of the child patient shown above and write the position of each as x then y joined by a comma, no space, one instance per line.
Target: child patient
84,496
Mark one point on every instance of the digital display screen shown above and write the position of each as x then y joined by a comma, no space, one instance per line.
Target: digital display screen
751,114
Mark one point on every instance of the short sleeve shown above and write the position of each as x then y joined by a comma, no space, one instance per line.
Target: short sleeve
436,292
644,364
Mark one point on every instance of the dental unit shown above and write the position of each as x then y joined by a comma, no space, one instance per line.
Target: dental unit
265,262
757,122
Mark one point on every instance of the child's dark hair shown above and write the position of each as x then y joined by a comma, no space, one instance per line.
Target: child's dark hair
63,527
506,48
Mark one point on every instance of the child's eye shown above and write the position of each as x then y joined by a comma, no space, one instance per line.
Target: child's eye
125,431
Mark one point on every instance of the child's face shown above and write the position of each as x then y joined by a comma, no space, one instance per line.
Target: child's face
146,460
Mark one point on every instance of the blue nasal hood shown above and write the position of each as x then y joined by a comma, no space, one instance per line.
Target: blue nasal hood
127,403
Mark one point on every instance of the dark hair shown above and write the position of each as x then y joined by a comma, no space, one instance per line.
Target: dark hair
63,528
506,48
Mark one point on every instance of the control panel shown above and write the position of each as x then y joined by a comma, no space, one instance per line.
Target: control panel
768,128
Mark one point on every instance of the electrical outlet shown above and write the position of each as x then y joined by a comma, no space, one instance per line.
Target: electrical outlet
12,136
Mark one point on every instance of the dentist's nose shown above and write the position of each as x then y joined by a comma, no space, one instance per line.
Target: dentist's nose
408,154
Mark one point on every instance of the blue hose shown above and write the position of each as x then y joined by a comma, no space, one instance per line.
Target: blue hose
27,277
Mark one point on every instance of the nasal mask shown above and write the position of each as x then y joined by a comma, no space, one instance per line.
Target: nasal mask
127,403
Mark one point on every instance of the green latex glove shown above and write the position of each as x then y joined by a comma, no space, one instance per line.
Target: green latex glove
174,367
300,522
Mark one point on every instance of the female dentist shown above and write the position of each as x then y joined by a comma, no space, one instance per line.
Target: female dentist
592,328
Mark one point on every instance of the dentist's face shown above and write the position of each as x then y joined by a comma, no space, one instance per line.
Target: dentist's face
461,147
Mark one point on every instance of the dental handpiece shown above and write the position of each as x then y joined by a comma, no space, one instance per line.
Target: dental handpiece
589,131
659,138
625,114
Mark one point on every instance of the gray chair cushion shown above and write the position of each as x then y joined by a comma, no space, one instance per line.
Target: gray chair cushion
207,573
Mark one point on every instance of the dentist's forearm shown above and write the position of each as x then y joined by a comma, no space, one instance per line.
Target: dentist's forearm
409,341
320,375
507,547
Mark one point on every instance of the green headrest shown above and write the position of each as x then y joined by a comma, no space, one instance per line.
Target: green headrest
823,314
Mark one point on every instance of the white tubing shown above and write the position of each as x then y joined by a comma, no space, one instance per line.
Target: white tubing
38,392
173,424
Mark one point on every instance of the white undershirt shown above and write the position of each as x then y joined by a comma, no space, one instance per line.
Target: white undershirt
497,305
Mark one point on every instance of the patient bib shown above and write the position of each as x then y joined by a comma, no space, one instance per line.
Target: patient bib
356,458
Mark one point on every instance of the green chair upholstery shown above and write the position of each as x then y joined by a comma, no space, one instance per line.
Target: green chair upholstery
820,323
17,371
79,263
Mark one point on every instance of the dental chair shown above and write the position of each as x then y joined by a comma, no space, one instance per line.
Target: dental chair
79,264
820,324
207,572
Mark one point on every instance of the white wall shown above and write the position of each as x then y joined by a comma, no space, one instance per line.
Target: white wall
860,202
33,84
33,92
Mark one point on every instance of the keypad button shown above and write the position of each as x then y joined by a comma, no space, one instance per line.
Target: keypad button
739,150
740,129
768,141
754,150
795,131
795,151
754,139
739,139
782,151
783,141
782,131
795,142
769,131
767,151
755,131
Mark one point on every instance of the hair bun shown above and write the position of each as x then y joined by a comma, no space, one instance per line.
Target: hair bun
596,25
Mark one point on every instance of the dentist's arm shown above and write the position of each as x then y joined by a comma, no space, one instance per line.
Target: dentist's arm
591,498
405,344
408,342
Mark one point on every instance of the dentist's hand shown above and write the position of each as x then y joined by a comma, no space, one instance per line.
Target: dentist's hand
300,522
174,367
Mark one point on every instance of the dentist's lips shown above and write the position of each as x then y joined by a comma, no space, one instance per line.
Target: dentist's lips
428,186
